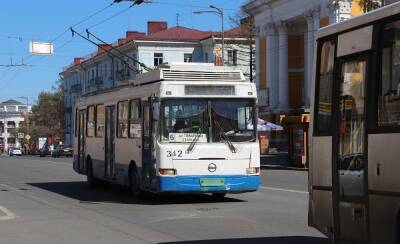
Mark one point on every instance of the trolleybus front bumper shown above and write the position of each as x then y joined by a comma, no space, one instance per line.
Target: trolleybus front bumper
209,184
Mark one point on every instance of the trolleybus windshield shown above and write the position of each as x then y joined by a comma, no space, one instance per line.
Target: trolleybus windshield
183,120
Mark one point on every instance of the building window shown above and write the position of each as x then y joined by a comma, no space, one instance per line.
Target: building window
100,120
232,57
158,59
90,126
11,108
123,112
389,87
324,87
135,127
187,58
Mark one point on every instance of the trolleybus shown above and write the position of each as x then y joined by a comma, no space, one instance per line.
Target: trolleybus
354,177
183,128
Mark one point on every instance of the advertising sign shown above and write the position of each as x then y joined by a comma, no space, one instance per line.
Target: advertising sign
41,48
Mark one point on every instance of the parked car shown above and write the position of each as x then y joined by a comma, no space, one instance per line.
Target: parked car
44,151
16,151
62,150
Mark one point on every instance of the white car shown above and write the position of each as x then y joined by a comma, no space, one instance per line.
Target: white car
16,151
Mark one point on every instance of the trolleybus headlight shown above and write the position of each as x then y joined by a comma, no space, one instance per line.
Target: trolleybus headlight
253,170
167,171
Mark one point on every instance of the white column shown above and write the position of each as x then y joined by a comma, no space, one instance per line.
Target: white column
283,67
272,67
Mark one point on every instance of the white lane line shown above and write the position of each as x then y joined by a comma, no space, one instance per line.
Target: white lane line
9,215
282,189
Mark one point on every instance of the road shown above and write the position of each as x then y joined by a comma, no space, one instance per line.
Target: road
43,201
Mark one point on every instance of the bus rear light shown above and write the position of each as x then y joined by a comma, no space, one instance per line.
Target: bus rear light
253,170
167,172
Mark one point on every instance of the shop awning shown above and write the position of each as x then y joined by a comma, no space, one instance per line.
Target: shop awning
263,125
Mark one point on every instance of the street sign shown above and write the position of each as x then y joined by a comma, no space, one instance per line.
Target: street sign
20,135
28,137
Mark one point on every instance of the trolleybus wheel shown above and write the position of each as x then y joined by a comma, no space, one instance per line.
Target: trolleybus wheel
218,196
134,181
92,182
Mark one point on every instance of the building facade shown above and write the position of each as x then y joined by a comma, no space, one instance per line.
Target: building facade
13,115
285,33
106,70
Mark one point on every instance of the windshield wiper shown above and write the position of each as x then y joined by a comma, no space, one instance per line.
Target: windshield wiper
226,138
193,143
196,139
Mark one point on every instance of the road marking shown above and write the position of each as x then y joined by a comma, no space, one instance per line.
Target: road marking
282,189
9,215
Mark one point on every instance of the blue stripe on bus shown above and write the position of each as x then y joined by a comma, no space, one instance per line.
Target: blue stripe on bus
191,184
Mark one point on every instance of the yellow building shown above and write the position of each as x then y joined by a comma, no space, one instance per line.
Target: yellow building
285,36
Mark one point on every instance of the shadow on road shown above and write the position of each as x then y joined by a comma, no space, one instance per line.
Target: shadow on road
79,190
264,240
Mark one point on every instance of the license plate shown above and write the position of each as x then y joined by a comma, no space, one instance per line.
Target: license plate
206,182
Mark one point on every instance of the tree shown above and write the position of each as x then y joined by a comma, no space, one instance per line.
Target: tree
246,24
369,5
47,114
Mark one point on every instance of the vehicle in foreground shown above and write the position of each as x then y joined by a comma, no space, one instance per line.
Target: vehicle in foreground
354,161
16,151
62,150
179,129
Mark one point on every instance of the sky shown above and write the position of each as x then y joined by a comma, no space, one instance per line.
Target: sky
23,21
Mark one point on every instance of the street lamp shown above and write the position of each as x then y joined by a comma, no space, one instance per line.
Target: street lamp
220,13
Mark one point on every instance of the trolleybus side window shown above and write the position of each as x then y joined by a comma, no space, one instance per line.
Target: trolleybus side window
91,125
135,127
100,120
123,112
389,87
324,87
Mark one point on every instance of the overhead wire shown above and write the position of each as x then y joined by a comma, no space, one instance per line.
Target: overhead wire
57,38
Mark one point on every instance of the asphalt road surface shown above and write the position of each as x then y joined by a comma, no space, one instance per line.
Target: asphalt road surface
43,201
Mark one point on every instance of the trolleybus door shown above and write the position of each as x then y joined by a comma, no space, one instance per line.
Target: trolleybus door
147,148
350,152
82,141
109,148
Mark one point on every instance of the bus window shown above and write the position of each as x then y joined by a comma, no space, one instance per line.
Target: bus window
123,112
233,119
99,120
90,126
389,90
135,127
324,92
182,119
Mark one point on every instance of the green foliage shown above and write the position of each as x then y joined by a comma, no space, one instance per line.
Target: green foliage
369,5
47,113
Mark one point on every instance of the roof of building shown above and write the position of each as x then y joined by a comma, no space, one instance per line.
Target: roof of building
11,102
178,33
174,34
